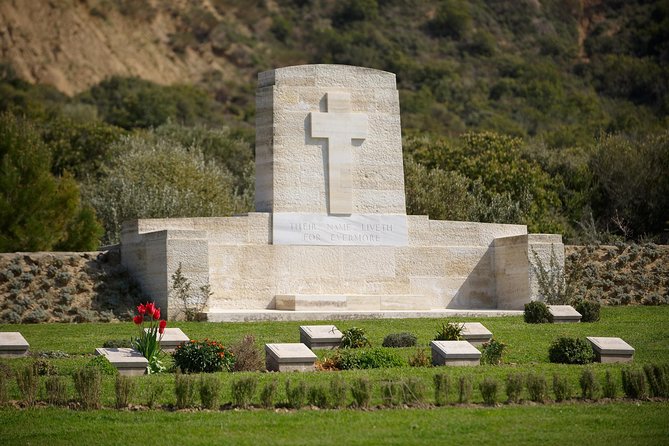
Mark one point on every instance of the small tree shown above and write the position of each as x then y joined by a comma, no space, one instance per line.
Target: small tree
190,304
554,287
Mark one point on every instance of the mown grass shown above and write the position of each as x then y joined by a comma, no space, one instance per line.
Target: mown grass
645,328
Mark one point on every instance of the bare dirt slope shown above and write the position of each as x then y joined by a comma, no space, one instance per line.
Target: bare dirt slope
74,44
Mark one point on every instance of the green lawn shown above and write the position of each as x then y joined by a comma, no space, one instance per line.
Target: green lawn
622,421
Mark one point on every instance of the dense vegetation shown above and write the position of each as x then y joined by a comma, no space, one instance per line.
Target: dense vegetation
547,113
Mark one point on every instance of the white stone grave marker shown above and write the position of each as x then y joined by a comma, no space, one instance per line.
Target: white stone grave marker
128,361
289,358
609,349
475,333
564,314
13,345
456,353
320,336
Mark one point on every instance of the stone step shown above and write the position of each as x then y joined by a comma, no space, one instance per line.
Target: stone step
351,302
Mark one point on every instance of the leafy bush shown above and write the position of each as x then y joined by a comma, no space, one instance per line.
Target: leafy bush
565,350
492,352
338,391
88,385
268,394
184,390
536,312
28,383
153,392
413,391
464,389
420,359
354,338
371,358
202,357
400,340
609,387
442,389
589,385
124,388
553,286
390,393
317,395
44,367
536,387
514,387
634,383
361,391
449,331
243,390
102,365
210,389
658,379
56,390
5,374
589,310
248,358
190,304
561,387
489,388
296,394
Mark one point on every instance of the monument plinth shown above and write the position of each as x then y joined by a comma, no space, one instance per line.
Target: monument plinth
330,231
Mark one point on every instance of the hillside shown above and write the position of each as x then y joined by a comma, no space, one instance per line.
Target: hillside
549,113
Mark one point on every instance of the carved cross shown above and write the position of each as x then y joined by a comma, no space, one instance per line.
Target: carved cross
339,125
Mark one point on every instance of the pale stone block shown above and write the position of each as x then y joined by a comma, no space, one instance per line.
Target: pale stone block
320,336
128,361
609,349
401,302
289,358
454,353
301,302
171,339
564,314
475,333
363,303
13,345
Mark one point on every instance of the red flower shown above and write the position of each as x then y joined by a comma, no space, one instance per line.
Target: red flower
156,314
141,309
161,326
150,308
138,319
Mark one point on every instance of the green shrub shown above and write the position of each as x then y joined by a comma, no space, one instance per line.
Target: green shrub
268,394
44,367
361,391
536,312
390,393
634,383
248,358
442,389
420,358
449,331
489,388
609,387
317,395
400,340
28,383
102,365
514,387
153,392
56,390
553,286
464,389
184,390
371,358
413,391
338,391
202,357
354,338
243,390
589,310
658,379
536,387
88,385
210,389
5,375
296,394
561,387
492,352
589,385
124,388
565,350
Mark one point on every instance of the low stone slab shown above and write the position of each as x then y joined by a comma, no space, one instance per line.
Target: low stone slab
13,345
564,314
320,336
455,353
289,358
128,361
611,349
172,338
475,333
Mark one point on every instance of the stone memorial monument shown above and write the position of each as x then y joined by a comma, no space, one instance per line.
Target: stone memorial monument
330,233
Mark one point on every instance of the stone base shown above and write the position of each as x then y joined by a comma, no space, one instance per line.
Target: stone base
13,345
359,302
454,353
289,358
564,314
475,333
172,338
320,336
224,315
128,361
609,350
